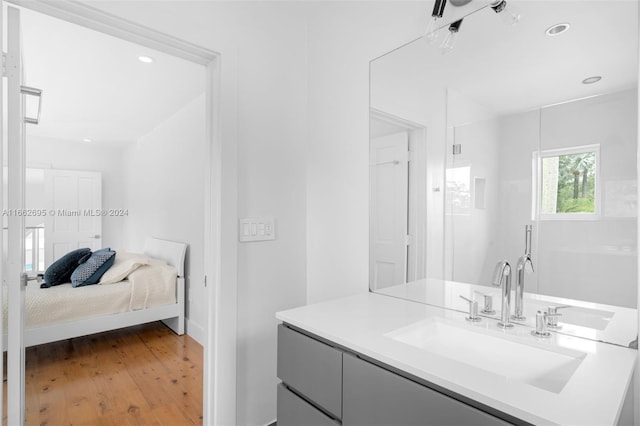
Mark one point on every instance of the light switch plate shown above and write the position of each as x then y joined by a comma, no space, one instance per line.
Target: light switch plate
257,229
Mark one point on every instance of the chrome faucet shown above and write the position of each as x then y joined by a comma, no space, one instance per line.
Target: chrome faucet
524,265
502,277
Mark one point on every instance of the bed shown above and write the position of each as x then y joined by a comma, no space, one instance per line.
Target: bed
151,293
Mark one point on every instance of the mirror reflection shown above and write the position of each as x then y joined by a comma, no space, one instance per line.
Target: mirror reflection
524,138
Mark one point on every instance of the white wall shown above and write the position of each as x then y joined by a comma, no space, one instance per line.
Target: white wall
164,196
73,155
519,139
575,258
343,38
572,258
263,48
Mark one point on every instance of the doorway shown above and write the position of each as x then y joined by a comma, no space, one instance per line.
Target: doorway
397,239
210,156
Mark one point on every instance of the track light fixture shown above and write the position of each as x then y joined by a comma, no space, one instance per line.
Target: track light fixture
449,43
504,8
431,32
506,11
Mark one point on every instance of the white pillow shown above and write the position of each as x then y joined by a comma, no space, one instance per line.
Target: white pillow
125,264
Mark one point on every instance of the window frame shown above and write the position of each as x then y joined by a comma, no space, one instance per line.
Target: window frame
536,192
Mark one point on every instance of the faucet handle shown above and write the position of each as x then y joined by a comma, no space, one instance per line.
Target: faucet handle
488,303
552,314
473,310
542,319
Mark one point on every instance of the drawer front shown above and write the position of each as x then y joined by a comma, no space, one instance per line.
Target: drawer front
312,368
374,396
295,411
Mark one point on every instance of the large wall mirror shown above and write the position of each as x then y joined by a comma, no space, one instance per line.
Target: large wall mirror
518,140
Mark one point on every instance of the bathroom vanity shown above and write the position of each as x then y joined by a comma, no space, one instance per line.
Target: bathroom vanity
524,149
326,384
371,359
596,321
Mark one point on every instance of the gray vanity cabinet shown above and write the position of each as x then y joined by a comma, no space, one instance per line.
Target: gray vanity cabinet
295,411
311,369
373,396
323,385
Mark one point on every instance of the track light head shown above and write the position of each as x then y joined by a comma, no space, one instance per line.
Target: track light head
506,11
449,43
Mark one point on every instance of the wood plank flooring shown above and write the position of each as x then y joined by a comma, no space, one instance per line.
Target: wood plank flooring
135,376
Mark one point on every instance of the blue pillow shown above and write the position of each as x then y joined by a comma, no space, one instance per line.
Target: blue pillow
59,272
90,272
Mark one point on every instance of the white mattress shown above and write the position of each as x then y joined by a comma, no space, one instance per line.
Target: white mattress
148,286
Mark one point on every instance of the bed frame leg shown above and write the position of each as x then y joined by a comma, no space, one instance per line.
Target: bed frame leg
176,324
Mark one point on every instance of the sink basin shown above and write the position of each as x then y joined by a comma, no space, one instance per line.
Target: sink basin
545,368
583,317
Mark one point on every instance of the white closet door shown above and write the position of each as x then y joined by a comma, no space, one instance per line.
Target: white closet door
73,200
389,180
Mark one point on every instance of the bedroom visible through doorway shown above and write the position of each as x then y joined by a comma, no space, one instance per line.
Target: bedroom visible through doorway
140,128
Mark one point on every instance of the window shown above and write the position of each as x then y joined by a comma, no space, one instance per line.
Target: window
458,190
568,182
34,249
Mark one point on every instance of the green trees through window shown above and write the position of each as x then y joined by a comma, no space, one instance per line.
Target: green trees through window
576,183
569,182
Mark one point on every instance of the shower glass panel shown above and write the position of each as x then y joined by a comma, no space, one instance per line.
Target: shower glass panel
490,189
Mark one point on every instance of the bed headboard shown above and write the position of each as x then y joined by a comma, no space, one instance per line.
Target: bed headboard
170,251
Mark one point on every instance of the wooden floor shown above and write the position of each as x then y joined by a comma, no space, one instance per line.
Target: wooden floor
139,375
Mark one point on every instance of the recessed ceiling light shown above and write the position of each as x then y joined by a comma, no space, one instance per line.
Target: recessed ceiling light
87,140
591,80
557,29
145,59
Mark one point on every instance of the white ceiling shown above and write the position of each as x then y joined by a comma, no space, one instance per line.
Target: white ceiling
95,87
534,69
516,68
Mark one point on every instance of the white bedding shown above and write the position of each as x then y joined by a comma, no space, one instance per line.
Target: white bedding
148,286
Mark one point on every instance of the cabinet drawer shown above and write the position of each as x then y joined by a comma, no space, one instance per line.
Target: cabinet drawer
374,396
312,368
295,411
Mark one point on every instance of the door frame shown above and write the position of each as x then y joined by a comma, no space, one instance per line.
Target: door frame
219,376
416,267
389,173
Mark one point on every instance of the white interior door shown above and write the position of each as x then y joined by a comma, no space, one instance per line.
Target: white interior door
389,180
15,203
73,200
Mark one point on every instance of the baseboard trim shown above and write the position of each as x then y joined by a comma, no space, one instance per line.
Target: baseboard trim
196,331
273,423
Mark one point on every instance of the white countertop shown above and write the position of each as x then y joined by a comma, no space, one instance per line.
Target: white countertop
593,396
621,327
